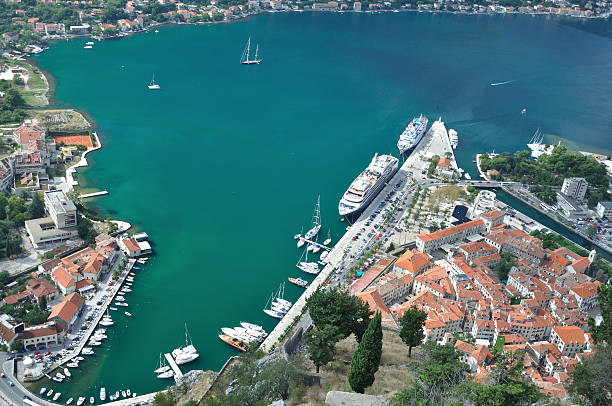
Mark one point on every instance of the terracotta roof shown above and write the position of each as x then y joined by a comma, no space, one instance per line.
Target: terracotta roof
586,289
82,283
16,298
444,162
570,334
581,264
369,276
67,308
492,214
375,301
40,287
6,333
39,332
62,277
131,244
436,235
413,260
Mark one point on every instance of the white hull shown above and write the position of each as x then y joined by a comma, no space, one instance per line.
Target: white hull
277,315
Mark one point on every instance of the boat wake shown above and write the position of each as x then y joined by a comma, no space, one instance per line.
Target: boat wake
502,83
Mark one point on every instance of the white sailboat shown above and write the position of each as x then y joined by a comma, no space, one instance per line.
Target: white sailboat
153,85
162,365
328,240
316,221
308,267
188,353
269,309
245,55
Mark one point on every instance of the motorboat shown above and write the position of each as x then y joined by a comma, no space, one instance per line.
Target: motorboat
92,400
69,401
57,379
128,314
87,351
67,373
80,401
103,394
113,308
324,255
100,330
120,298
120,294
106,322
57,396
72,365
49,392
299,281
251,326
94,342
89,43
234,342
42,391
123,393
79,358
128,392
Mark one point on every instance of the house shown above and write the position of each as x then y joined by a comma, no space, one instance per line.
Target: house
41,287
64,280
569,340
329,6
432,241
134,246
67,311
492,218
40,336
412,262
9,328
473,355
586,295
10,36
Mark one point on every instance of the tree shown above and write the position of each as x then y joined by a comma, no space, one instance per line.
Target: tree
321,344
333,307
412,323
37,207
17,346
591,231
366,358
503,267
603,332
43,303
592,379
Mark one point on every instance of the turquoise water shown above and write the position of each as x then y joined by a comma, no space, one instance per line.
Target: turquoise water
223,165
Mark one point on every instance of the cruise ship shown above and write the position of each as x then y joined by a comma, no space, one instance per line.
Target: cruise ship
367,185
412,134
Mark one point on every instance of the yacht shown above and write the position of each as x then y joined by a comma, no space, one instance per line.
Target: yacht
368,184
413,133
153,85
87,351
274,314
453,138
166,374
316,221
254,327
162,365
102,394
67,373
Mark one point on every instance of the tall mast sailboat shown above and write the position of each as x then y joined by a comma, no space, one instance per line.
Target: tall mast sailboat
153,85
246,55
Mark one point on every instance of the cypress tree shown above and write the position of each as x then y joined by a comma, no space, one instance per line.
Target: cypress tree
412,328
366,358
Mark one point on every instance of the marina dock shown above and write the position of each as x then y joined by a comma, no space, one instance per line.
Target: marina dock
178,375
94,194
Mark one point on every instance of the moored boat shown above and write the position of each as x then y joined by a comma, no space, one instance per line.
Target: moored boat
234,342
413,133
299,281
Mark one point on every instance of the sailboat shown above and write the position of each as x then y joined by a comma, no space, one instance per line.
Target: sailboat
188,353
316,221
245,55
271,311
308,267
328,240
153,85
279,299
162,365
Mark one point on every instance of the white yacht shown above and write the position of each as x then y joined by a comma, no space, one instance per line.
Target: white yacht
368,184
453,138
87,351
413,133
67,373
80,401
102,394
162,365
316,221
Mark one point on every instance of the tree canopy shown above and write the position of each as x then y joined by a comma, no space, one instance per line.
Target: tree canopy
412,328
366,358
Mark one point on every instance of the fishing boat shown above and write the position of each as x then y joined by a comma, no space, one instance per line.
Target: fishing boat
67,373
187,353
128,314
69,401
57,396
102,394
316,221
299,281
153,85
244,59
234,342
80,401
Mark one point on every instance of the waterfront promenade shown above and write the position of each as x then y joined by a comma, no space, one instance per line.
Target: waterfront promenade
70,172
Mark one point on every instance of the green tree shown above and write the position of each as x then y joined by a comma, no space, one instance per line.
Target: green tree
602,333
592,379
412,323
17,346
321,344
503,267
43,303
366,358
37,207
591,231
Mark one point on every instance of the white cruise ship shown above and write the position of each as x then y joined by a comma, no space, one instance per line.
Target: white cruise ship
413,133
367,185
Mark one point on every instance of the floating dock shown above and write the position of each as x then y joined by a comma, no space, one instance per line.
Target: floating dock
178,375
94,194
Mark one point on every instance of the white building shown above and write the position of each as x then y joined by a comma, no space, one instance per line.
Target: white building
61,209
575,188
604,209
569,340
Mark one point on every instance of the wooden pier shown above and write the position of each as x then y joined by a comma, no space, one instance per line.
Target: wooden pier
94,194
178,375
